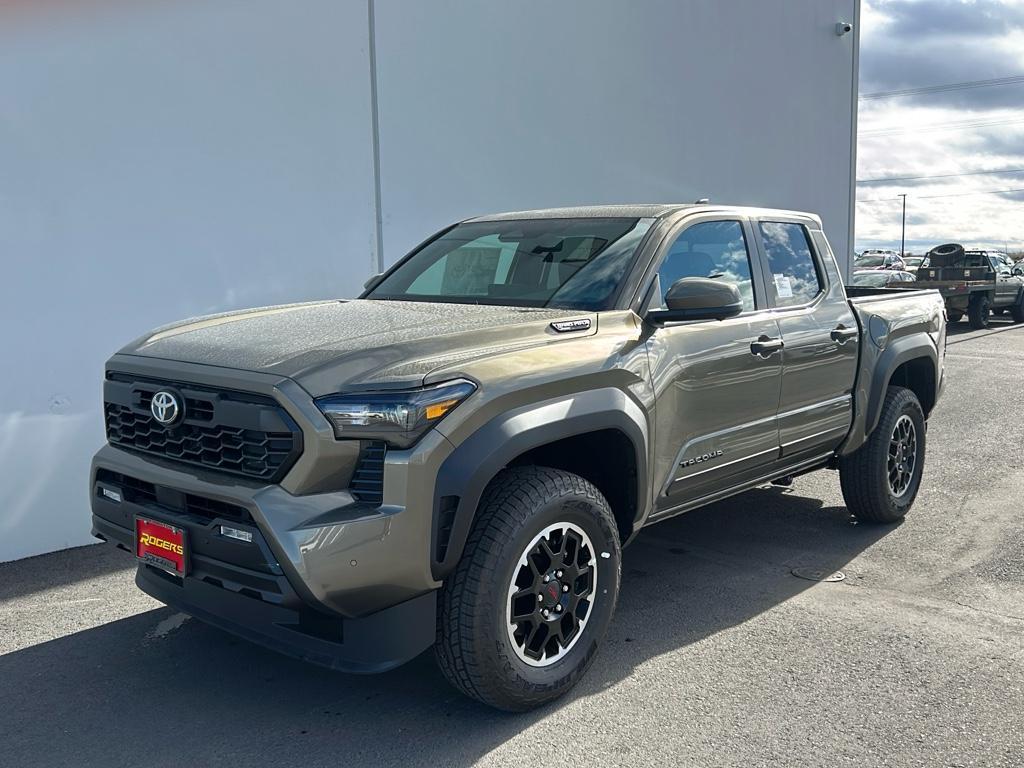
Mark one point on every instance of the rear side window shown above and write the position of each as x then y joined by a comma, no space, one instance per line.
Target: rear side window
793,277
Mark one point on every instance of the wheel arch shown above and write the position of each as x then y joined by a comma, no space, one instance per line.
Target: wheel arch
568,433
910,363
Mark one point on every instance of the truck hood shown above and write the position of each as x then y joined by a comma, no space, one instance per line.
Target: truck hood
328,346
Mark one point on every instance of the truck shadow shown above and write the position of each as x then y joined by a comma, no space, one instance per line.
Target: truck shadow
128,692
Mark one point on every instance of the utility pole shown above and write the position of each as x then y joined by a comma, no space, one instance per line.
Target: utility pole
903,234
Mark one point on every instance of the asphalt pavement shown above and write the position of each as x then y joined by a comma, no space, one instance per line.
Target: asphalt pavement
718,655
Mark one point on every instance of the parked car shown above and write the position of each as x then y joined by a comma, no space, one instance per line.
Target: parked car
880,278
974,283
912,263
878,259
456,458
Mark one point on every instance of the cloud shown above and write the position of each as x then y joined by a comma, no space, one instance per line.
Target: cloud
952,19
913,44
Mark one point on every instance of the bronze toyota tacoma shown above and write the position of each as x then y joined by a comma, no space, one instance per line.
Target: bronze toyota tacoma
456,458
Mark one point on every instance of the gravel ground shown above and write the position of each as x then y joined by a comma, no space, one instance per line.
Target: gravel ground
717,656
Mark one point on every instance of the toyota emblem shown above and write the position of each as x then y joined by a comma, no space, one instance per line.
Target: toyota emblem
165,407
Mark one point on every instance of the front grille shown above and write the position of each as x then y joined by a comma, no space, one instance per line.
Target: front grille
367,483
233,432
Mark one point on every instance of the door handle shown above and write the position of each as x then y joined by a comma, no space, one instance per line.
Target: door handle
841,335
765,346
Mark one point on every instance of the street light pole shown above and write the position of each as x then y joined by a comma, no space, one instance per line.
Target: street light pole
903,233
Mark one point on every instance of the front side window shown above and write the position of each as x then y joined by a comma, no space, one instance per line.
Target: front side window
792,277
564,263
715,249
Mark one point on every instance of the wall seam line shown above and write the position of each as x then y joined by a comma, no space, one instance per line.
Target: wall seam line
375,137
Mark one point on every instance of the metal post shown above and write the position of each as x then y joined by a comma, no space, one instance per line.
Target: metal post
903,233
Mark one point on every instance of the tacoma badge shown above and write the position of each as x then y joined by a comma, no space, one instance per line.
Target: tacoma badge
700,459
564,326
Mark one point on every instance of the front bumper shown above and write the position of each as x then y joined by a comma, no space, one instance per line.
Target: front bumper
325,578
376,643
318,555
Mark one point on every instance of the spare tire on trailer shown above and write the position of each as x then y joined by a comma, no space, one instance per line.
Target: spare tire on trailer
945,255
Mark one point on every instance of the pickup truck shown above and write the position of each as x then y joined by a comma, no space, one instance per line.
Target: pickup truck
975,283
456,458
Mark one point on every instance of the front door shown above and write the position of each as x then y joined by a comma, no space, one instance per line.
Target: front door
1007,286
716,395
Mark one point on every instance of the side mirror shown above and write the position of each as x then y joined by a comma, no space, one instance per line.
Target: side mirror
1005,273
698,298
372,283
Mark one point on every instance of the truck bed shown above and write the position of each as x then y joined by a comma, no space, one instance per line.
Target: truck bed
862,294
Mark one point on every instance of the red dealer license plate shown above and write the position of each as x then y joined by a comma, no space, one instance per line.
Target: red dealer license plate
161,545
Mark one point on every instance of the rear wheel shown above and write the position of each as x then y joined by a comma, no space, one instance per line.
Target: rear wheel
881,478
978,311
955,315
521,617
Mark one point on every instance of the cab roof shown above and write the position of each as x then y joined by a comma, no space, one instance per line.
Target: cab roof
636,211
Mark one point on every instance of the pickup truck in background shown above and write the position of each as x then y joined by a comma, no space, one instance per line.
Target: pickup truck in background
457,458
975,283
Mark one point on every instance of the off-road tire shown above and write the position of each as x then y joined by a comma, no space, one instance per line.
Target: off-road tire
955,316
473,647
978,311
1017,312
864,474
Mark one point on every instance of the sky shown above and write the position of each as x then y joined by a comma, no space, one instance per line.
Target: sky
968,128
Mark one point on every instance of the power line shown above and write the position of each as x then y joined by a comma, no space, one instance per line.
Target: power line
1009,80
937,176
957,194
961,126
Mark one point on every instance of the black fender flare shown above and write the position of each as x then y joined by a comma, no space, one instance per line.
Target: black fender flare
896,354
474,462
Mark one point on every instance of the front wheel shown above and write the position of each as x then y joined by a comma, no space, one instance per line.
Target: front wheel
1017,312
955,315
880,479
521,617
978,311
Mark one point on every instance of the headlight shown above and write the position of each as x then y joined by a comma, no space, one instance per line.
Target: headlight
400,418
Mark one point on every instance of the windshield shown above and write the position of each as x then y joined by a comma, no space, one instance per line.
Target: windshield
564,263
873,279
869,260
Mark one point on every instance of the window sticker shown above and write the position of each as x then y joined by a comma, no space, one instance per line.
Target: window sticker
783,288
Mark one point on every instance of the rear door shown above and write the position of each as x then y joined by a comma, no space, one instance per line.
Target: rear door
716,396
820,333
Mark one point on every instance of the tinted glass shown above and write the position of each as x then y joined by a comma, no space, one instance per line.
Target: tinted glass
568,263
869,261
715,249
793,277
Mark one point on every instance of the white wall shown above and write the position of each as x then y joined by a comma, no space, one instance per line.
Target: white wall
497,106
161,160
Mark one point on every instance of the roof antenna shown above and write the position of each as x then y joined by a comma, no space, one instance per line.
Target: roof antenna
702,201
